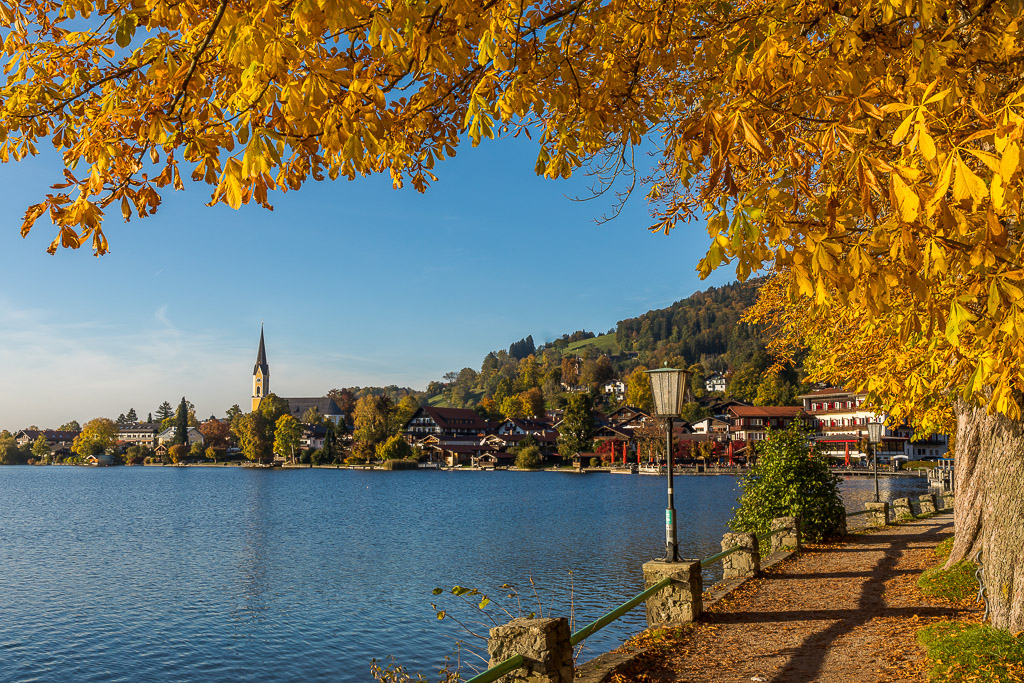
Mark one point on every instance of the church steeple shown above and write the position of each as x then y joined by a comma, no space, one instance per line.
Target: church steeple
260,374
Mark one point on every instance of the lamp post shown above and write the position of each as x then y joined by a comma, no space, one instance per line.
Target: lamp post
875,437
669,388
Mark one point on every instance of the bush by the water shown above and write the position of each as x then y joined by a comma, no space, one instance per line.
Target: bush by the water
528,458
396,464
790,478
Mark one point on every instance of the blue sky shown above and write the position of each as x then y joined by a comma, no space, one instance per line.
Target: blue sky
357,284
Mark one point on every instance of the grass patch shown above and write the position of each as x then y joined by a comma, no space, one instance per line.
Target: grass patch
955,584
605,343
972,652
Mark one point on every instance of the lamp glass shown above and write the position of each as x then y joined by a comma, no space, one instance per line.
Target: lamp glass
875,432
669,388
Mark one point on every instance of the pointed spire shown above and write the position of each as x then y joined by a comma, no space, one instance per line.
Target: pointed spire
261,357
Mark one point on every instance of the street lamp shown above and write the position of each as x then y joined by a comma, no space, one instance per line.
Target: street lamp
875,437
669,388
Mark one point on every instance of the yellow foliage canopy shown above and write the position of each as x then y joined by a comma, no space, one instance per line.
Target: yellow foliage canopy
869,147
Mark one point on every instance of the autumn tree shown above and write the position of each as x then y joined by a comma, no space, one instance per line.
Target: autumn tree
96,437
41,448
373,422
255,436
405,409
178,452
394,448
232,412
870,149
312,416
10,453
287,432
533,402
273,407
638,390
216,433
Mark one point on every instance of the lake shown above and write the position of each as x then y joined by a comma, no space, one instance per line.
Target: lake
223,574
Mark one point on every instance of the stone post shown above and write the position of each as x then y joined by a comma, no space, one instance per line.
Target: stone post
842,531
680,602
878,513
790,538
947,501
927,503
544,645
744,563
901,509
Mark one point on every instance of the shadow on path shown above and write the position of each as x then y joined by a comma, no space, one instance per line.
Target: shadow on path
808,657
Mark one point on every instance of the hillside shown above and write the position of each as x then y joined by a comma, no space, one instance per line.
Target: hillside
702,333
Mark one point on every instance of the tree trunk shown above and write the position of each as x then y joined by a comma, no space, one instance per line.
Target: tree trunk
989,512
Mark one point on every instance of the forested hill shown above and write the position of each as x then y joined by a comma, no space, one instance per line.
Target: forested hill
702,326
702,333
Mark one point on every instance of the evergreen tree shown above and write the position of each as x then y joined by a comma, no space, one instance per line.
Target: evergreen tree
181,423
149,418
131,416
576,433
164,411
121,419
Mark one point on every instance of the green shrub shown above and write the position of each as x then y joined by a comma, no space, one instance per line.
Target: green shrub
790,479
528,458
595,462
972,652
400,464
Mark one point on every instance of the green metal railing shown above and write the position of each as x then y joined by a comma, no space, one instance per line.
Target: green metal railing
513,663
598,624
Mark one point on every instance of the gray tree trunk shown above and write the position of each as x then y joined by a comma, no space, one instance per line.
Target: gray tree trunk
989,513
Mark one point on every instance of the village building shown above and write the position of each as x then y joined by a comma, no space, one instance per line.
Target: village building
615,387
60,440
445,422
713,426
138,434
751,423
841,421
715,382
166,437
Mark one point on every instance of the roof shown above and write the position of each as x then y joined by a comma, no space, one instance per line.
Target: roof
766,411
261,357
325,405
138,427
831,391
50,434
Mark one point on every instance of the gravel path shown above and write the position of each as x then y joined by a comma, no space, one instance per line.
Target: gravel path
842,613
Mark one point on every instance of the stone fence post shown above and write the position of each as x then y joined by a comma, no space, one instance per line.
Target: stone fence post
901,509
679,602
947,500
742,564
544,645
790,538
927,503
878,513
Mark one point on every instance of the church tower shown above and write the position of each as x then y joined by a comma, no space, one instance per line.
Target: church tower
260,375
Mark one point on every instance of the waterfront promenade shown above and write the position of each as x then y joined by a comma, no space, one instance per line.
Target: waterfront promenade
833,613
